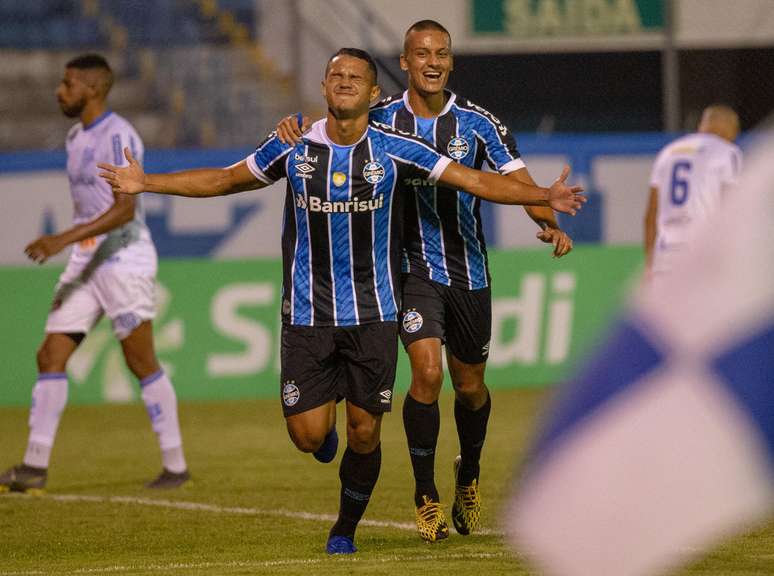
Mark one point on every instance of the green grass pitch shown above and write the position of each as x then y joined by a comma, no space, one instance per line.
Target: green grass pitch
256,505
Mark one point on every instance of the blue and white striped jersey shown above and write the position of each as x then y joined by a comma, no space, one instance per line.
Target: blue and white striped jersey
341,239
443,236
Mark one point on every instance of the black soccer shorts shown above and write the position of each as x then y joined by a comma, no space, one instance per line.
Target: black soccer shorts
462,319
324,363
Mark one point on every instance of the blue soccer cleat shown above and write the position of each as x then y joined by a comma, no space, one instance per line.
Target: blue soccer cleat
340,545
330,445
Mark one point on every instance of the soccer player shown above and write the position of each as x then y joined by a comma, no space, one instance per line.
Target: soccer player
111,271
446,282
341,247
688,180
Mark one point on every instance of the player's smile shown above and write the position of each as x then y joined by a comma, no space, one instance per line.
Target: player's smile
428,60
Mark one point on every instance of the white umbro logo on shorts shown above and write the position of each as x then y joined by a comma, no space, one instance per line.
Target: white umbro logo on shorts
386,396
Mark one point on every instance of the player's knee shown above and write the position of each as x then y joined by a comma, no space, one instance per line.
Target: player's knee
427,377
363,437
306,440
48,361
141,365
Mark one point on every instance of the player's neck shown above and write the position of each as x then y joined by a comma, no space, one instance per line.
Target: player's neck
426,105
346,131
92,111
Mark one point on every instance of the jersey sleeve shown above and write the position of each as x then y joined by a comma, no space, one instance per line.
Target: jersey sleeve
124,136
729,168
380,114
502,153
267,163
420,158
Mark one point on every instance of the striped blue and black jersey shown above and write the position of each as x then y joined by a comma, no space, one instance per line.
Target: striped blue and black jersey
443,236
342,229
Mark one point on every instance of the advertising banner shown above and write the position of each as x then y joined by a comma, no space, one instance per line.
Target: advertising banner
217,327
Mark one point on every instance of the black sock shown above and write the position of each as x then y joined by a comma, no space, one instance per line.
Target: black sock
471,429
358,474
422,422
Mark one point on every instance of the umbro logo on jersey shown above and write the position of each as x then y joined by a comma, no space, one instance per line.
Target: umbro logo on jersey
303,170
458,148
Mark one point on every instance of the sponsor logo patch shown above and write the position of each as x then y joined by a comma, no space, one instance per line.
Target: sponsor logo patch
339,178
290,393
458,148
373,172
386,396
412,321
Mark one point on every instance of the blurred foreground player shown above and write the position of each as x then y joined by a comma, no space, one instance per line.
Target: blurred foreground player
341,247
687,183
111,270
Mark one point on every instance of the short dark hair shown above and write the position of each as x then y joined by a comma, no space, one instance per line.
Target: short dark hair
89,62
423,25
357,53
104,81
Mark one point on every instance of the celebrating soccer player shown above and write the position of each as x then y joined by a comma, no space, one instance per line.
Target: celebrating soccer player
341,246
112,270
446,282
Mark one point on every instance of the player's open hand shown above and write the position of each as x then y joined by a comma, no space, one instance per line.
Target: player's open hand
563,197
127,180
561,241
43,248
289,131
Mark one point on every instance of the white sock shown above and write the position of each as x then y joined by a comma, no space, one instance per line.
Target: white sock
161,404
49,398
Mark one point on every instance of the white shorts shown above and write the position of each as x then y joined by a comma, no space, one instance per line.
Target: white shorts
127,298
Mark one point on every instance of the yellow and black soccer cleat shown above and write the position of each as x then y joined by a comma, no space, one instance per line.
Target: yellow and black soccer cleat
466,510
431,521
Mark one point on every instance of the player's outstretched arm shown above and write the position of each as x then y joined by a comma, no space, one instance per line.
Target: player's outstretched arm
550,231
503,190
199,183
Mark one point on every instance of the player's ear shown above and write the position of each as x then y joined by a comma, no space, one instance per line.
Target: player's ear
403,63
451,62
376,91
322,87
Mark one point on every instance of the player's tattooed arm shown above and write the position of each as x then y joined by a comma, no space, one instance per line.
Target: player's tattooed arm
198,183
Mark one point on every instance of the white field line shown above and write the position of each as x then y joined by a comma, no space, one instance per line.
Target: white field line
262,564
201,507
